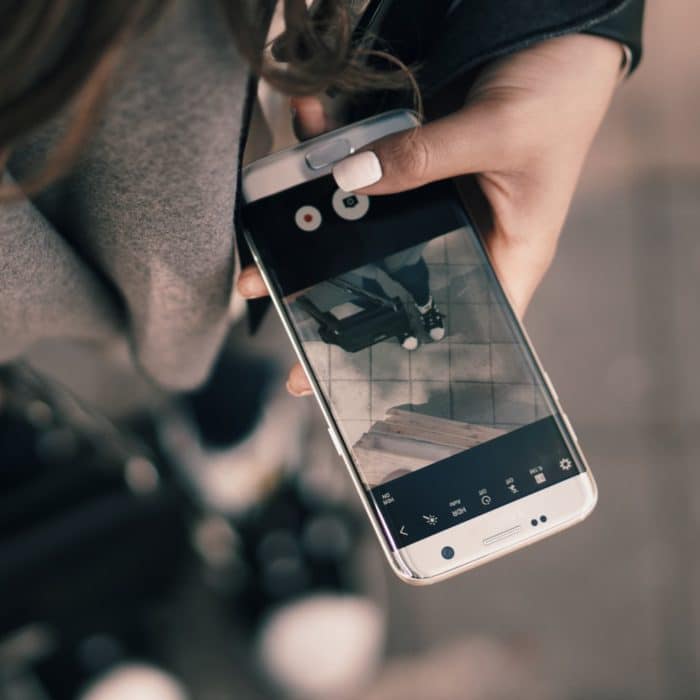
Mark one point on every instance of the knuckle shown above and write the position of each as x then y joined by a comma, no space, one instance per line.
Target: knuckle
409,157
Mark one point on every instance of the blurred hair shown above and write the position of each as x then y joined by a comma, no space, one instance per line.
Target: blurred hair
63,54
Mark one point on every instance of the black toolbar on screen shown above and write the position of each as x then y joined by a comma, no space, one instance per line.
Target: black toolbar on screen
299,259
476,481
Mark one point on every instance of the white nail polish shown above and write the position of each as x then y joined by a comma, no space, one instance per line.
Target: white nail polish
357,171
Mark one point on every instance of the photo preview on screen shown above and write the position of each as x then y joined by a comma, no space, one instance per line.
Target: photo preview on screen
413,345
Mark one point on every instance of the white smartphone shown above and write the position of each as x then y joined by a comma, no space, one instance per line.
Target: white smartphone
434,397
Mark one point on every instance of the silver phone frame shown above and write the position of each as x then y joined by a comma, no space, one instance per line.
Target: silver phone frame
360,134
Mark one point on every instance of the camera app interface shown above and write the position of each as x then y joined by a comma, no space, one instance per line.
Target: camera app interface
414,347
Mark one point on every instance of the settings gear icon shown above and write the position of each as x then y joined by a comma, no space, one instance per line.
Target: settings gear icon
565,464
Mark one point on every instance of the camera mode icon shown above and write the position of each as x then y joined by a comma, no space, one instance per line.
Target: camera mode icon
350,206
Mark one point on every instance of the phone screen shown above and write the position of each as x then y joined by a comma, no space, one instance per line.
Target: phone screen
423,367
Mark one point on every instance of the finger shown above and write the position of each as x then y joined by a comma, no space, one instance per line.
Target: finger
309,117
520,264
297,383
466,141
250,283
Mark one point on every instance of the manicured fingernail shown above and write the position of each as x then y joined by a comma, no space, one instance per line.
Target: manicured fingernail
251,286
357,171
298,392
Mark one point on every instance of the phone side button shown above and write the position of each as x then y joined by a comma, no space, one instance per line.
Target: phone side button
570,427
336,442
328,153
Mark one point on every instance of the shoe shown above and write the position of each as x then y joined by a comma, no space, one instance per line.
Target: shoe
409,342
432,320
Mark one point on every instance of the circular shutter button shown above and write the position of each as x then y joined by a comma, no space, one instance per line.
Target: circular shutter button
307,218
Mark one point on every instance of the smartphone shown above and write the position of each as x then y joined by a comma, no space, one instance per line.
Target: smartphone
434,397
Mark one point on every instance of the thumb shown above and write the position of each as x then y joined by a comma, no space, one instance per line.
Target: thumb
463,142
309,117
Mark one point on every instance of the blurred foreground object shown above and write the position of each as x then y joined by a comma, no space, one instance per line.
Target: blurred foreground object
325,646
91,535
135,682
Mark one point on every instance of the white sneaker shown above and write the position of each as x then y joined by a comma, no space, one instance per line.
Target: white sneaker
432,321
410,342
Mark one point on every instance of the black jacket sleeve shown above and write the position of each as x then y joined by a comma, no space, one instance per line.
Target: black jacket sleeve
624,26
449,38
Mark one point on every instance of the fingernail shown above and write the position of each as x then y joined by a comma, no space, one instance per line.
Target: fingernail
251,286
357,171
298,392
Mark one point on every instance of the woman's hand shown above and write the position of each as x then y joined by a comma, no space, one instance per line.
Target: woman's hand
524,131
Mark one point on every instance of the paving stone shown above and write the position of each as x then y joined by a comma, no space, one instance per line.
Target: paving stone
509,365
468,285
434,252
354,429
468,323
461,249
349,365
431,398
500,328
472,402
431,361
388,394
318,353
514,403
438,282
470,362
389,361
350,398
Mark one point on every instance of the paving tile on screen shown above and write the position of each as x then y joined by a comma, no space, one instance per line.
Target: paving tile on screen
509,365
350,398
354,429
470,362
438,282
472,403
468,285
388,394
431,361
349,365
389,360
318,353
501,332
514,403
541,408
468,323
434,252
461,248
431,398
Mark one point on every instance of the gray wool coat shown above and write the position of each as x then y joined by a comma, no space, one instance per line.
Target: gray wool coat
137,243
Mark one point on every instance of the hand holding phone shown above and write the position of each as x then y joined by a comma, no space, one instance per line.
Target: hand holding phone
524,129
432,393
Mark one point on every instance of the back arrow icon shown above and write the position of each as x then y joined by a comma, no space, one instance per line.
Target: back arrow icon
403,531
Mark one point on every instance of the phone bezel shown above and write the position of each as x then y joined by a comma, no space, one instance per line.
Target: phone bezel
564,504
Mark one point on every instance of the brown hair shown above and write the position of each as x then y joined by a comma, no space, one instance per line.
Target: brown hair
57,54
